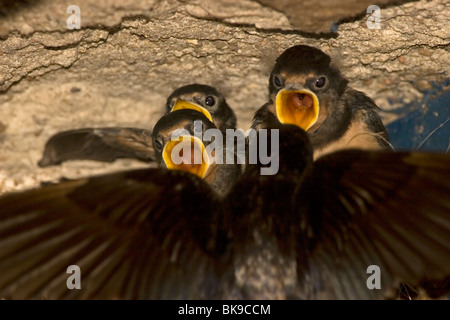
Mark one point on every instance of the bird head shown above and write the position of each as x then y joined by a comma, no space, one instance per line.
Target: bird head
204,99
303,86
178,144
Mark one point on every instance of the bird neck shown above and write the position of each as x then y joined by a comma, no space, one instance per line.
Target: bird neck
337,117
222,177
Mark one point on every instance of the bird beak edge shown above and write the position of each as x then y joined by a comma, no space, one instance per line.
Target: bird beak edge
183,104
188,153
299,107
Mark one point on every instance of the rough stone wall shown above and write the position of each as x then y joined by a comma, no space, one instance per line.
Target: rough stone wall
129,56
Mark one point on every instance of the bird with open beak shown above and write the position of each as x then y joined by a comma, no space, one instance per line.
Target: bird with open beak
111,143
311,231
180,144
204,99
307,90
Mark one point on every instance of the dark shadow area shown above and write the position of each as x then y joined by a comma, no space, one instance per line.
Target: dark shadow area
8,7
424,125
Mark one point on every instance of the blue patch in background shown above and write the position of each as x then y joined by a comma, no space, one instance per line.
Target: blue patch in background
426,125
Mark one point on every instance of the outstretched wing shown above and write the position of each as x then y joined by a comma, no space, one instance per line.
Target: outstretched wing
101,144
388,210
140,234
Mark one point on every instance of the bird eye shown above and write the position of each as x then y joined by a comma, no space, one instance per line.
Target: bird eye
320,82
277,81
210,101
158,144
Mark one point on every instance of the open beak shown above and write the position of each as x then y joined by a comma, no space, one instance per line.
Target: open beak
299,107
188,153
183,104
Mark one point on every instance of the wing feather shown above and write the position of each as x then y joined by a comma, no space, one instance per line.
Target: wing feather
377,208
134,235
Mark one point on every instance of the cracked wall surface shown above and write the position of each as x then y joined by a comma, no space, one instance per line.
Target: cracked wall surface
129,56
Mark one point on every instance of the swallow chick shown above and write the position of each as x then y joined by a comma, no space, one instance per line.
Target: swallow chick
111,143
311,231
205,99
187,140
307,90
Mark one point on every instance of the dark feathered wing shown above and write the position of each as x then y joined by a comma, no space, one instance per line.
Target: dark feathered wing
388,210
101,144
140,234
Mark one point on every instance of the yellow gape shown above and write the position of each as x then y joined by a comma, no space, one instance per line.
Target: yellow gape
183,104
188,153
299,107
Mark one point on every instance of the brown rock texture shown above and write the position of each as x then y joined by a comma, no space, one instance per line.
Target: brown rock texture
319,16
128,56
